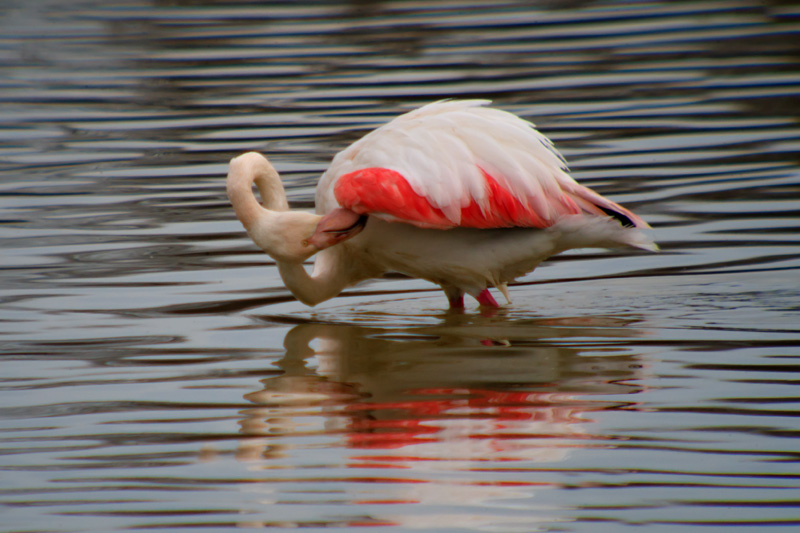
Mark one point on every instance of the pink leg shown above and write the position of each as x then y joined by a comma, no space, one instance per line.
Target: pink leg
455,297
456,302
486,299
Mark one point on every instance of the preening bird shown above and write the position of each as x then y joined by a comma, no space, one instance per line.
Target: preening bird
463,195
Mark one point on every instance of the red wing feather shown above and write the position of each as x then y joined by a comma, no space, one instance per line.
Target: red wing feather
386,193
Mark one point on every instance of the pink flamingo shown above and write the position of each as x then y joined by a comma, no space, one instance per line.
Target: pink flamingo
466,196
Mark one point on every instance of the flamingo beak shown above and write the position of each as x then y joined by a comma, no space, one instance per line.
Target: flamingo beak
337,226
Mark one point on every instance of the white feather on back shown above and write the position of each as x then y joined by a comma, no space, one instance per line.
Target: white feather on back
441,148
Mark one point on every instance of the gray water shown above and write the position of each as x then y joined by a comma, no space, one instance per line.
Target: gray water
156,375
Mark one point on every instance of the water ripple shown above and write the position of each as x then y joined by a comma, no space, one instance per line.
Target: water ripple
157,374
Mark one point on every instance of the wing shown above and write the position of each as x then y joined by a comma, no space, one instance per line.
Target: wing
459,164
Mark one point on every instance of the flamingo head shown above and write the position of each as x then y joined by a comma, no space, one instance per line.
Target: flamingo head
294,236
337,226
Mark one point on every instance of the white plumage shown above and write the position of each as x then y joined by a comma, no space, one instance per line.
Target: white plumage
446,165
440,149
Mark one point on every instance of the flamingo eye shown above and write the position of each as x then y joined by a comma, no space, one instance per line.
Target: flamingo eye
304,243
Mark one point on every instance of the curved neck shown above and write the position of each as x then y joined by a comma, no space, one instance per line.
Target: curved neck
244,171
331,275
284,234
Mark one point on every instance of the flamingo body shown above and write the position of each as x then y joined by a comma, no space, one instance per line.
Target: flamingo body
463,195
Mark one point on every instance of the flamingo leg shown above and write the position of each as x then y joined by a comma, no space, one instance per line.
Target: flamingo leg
455,296
486,299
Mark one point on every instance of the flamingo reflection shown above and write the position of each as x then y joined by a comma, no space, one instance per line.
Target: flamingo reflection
432,415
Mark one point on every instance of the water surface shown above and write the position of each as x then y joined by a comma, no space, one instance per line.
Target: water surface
155,373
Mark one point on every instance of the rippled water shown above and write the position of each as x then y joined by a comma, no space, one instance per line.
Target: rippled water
155,373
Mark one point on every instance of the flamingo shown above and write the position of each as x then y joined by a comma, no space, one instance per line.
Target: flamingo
458,193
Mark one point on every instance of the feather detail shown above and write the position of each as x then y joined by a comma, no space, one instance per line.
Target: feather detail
387,194
459,164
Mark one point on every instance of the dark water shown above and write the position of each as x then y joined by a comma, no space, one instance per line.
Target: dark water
156,375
